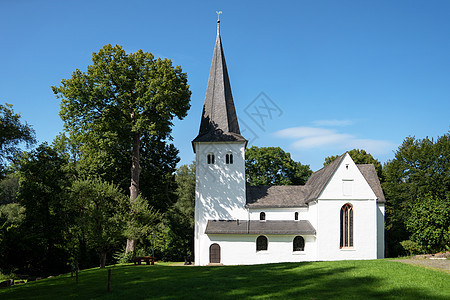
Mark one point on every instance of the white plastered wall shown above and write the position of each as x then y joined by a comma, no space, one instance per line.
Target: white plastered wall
380,230
220,191
241,249
347,185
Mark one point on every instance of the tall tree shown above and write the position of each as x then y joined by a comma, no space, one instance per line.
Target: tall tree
273,166
12,133
419,173
360,156
42,182
126,97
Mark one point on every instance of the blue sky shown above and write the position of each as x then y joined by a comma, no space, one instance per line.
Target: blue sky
326,76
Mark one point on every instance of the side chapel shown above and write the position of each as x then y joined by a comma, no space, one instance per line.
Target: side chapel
337,215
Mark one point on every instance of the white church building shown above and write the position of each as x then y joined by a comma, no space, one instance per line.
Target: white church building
337,215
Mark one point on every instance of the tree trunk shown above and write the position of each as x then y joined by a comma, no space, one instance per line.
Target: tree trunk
134,187
102,260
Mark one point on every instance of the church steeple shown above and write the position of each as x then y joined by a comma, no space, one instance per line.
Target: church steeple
219,120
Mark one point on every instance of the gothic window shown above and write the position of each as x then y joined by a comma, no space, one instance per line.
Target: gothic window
299,243
346,240
262,216
261,243
229,158
296,216
210,158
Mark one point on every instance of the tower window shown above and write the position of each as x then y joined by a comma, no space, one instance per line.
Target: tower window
296,216
210,158
229,159
262,216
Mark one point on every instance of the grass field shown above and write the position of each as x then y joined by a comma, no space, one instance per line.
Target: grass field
377,279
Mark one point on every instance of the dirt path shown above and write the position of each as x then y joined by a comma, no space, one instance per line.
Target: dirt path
440,264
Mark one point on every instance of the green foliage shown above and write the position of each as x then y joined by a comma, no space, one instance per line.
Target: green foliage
360,156
141,219
419,173
100,210
11,218
9,187
42,181
429,223
411,247
123,257
273,166
12,134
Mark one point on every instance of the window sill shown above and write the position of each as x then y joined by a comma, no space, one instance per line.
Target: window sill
298,253
262,252
347,249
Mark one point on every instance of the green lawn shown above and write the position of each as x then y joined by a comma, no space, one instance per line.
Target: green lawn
311,280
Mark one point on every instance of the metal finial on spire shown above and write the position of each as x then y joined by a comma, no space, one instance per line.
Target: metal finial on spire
218,21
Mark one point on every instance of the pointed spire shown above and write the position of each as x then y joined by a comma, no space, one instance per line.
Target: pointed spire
219,120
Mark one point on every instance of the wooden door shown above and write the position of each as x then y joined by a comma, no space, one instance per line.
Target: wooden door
214,254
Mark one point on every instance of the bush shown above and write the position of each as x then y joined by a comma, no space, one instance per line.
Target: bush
411,247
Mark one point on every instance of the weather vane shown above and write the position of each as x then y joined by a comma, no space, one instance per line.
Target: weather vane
218,14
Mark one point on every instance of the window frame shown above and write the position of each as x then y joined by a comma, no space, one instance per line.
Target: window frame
347,227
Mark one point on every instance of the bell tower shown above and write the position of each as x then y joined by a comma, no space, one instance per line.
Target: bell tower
220,157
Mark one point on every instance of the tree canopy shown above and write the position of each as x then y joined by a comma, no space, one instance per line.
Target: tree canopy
12,133
417,182
122,105
273,166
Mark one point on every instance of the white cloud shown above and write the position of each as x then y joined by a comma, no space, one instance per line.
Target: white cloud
333,122
314,138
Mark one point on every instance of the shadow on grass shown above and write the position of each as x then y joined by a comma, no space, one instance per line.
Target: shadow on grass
318,280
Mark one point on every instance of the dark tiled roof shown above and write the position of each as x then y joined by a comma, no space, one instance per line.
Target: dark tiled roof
318,180
260,227
219,120
276,196
370,174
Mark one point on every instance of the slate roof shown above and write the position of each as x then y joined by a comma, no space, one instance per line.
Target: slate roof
259,227
219,120
276,196
370,174
300,195
318,180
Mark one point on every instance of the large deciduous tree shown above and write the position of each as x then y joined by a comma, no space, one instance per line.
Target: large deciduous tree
273,166
12,133
120,101
418,177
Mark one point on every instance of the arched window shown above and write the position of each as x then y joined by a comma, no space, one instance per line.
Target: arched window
229,159
262,216
346,226
261,243
210,158
296,216
299,243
